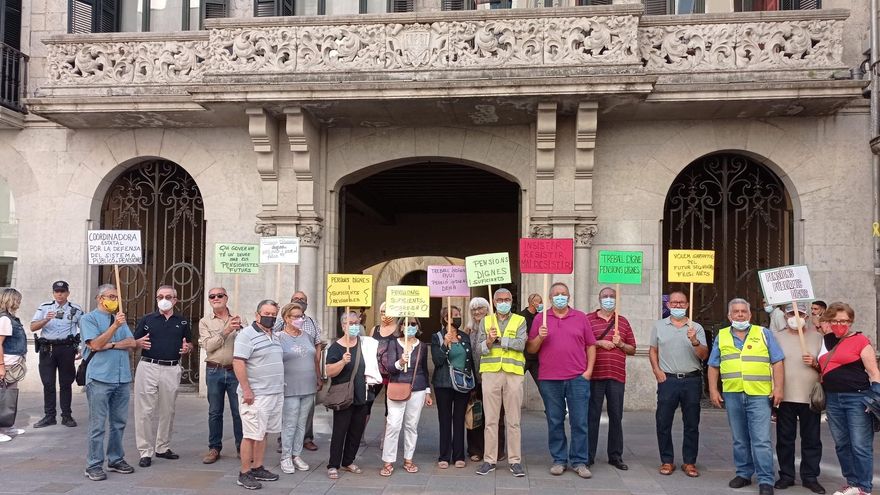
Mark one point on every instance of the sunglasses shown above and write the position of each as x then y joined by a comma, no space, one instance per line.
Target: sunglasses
216,296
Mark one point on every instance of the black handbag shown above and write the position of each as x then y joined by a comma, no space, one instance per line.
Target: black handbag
81,370
8,405
341,395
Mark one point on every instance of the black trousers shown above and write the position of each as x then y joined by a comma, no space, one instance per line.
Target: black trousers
787,416
600,391
57,360
451,407
348,428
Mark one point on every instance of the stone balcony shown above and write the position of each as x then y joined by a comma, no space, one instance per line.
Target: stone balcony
567,54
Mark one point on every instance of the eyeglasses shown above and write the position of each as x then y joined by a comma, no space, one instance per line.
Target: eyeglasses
840,322
216,296
677,304
112,298
167,297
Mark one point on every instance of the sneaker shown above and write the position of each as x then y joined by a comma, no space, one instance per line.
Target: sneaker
211,457
557,469
120,467
583,471
68,421
4,438
300,464
46,421
247,480
15,431
850,490
485,468
96,474
287,466
517,470
261,474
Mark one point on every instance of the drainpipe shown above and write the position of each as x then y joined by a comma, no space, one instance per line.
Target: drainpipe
875,148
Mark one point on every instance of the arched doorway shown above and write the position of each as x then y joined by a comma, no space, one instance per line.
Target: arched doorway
738,207
8,235
161,199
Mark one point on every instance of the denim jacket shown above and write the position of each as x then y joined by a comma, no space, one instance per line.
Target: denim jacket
15,344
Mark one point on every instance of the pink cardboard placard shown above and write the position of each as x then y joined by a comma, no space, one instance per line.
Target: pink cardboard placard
448,281
554,256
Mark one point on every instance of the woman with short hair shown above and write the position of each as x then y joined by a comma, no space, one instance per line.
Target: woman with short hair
451,352
13,349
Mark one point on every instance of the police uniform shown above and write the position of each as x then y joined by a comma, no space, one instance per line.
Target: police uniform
57,346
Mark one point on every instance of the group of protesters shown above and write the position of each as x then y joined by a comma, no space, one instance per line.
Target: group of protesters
270,371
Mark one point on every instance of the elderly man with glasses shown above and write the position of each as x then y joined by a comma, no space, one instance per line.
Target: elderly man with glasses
217,333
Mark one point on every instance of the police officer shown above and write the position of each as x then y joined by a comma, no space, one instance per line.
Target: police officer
57,345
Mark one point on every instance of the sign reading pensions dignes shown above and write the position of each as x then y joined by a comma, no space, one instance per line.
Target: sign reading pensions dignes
353,290
488,269
448,281
281,250
620,267
408,300
689,265
546,255
115,247
786,284
237,258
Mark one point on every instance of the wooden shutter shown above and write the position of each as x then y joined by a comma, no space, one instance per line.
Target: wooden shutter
215,9
108,17
288,7
457,5
594,2
10,23
400,5
656,7
264,8
82,14
800,4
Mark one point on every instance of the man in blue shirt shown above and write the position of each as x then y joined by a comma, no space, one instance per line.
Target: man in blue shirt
107,342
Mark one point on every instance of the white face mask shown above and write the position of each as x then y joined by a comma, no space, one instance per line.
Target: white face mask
164,305
793,322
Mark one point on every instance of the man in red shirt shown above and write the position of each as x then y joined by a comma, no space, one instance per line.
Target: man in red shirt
609,375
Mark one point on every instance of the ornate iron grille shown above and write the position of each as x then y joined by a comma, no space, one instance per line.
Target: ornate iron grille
738,208
161,200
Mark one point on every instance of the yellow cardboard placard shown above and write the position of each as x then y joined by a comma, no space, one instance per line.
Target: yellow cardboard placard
690,265
349,290
408,300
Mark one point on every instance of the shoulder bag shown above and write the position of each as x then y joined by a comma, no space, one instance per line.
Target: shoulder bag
341,395
817,393
462,380
401,391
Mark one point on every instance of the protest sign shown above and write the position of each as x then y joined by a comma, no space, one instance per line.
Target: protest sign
115,247
237,258
408,300
788,284
691,266
448,281
620,267
346,290
283,250
546,256
488,269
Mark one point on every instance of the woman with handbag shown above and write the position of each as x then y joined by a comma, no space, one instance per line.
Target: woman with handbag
848,369
13,349
452,384
347,396
408,391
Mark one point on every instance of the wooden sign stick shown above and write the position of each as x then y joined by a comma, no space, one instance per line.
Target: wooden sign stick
406,344
617,311
691,308
448,314
235,294
491,302
546,297
800,325
118,287
347,335
278,282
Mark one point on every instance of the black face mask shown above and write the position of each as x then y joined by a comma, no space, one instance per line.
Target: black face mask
456,323
302,303
267,321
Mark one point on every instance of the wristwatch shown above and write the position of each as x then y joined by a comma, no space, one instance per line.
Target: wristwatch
113,345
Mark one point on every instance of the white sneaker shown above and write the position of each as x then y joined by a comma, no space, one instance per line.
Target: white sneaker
15,431
300,464
287,466
848,490
4,438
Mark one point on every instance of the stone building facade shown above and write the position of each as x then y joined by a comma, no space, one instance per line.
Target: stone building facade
389,141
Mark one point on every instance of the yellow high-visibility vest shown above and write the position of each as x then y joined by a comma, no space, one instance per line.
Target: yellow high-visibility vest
746,370
499,359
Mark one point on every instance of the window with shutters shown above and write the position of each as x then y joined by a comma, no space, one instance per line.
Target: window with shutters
584,3
274,8
769,5
108,16
401,5
664,7
13,63
10,23
93,16
457,5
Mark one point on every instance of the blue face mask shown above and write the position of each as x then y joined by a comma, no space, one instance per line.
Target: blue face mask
539,308
503,307
412,330
608,303
741,325
768,309
354,330
560,301
678,313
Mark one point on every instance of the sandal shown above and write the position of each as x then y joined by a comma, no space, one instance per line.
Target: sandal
353,468
410,467
690,470
387,469
443,465
460,464
666,469
333,474
476,458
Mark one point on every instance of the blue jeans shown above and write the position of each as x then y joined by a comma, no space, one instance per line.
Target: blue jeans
107,401
222,383
671,394
576,394
749,418
853,434
293,423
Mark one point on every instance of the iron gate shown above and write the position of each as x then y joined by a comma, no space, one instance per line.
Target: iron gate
739,208
161,200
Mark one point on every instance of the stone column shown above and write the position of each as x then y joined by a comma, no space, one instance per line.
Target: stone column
309,238
583,260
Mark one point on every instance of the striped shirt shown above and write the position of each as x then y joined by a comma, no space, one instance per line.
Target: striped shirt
265,360
610,364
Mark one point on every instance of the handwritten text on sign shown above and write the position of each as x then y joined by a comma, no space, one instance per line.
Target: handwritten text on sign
115,247
486,269
237,258
786,284
448,281
349,290
281,250
620,267
407,300
688,265
546,255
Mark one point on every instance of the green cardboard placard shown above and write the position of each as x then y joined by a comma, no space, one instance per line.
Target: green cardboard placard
487,269
237,258
620,267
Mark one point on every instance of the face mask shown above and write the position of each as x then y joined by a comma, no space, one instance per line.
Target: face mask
412,330
539,308
109,305
741,325
768,309
354,330
297,322
839,330
456,323
608,303
164,305
302,303
793,322
387,320
560,301
503,307
267,321
678,313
